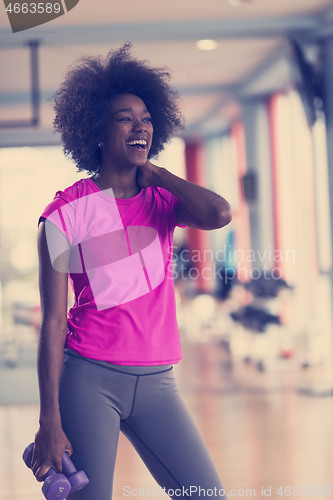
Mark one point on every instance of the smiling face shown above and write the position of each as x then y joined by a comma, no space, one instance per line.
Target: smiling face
130,131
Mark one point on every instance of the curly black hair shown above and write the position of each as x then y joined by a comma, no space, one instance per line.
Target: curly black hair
82,103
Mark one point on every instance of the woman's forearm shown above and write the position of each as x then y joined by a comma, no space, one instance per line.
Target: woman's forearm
50,364
205,206
50,440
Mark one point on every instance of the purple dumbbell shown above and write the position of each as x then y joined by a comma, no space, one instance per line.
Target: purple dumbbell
68,482
56,486
77,479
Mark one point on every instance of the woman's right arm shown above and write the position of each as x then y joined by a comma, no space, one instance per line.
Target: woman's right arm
50,440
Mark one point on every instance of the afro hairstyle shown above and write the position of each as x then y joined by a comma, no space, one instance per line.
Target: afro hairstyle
82,103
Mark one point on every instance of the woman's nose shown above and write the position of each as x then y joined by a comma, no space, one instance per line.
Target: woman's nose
138,125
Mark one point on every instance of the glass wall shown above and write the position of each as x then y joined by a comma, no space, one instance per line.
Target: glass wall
302,232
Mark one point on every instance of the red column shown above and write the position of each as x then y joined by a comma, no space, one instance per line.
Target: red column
241,220
273,133
197,239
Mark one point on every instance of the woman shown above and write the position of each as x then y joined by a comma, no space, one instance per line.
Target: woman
108,365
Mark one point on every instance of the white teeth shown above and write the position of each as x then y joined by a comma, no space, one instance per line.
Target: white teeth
143,142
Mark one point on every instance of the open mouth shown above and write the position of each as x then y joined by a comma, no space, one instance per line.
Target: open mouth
139,144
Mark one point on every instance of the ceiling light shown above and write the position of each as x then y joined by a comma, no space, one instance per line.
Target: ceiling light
238,3
206,44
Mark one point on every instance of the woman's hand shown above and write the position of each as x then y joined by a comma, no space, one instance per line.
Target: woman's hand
147,174
50,444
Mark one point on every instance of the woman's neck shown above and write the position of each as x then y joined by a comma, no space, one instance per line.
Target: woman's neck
123,186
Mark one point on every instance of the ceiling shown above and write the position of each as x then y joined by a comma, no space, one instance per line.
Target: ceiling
252,58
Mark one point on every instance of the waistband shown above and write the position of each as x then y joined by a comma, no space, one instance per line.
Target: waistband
128,369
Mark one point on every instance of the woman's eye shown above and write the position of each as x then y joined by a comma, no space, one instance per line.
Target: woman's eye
147,119
124,119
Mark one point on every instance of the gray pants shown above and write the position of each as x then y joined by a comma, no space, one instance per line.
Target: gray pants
98,399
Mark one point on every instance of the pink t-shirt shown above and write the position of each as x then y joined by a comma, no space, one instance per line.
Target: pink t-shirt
120,270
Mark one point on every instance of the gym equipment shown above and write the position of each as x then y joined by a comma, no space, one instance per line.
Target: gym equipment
56,486
59,486
254,318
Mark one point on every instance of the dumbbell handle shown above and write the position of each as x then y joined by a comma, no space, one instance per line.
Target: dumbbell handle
68,468
49,473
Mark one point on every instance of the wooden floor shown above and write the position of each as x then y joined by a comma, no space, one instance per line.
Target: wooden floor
266,435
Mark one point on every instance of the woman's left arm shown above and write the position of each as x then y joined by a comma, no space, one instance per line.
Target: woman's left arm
198,207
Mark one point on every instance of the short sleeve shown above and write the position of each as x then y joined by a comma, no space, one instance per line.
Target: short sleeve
61,214
59,220
172,201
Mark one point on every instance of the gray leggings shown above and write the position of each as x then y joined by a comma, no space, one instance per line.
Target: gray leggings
98,399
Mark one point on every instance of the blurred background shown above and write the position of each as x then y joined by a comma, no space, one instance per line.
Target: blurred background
254,299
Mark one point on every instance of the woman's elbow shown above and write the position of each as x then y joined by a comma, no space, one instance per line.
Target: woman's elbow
224,215
224,219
